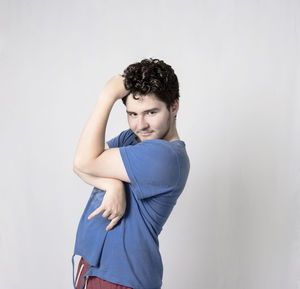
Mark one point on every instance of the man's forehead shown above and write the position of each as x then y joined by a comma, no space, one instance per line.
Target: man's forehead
142,97
143,103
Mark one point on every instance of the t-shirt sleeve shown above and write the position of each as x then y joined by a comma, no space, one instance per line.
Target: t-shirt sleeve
152,167
120,140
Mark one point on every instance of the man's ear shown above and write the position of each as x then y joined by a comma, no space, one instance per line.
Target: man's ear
174,107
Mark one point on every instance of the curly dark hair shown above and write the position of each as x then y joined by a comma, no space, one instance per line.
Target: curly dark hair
152,76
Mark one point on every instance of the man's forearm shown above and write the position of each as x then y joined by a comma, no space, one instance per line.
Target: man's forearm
92,141
98,182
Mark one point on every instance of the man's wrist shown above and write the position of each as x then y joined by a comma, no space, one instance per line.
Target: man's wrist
107,97
110,182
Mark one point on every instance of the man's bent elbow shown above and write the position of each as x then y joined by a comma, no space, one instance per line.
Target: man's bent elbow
76,170
77,166
84,168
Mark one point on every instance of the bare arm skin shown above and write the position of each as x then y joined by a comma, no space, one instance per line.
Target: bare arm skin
98,182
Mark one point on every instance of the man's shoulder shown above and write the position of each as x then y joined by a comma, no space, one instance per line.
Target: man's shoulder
155,150
124,138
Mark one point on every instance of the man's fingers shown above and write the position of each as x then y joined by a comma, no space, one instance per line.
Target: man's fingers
113,223
106,214
114,215
96,212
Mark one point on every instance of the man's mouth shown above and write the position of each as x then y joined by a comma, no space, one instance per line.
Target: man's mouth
145,134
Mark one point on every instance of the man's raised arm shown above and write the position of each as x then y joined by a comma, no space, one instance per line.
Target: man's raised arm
92,140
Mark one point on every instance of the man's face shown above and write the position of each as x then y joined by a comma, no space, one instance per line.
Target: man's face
148,117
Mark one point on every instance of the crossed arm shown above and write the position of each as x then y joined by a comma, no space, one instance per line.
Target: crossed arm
114,204
98,182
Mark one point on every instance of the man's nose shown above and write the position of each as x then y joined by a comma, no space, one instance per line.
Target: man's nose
142,123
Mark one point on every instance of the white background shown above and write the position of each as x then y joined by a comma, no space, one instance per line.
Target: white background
236,224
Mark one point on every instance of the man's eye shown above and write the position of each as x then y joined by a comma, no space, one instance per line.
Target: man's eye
152,112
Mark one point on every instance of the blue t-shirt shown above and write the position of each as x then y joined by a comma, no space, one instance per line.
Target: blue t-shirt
129,253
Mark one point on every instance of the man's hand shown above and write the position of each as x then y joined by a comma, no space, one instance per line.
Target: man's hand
115,87
113,204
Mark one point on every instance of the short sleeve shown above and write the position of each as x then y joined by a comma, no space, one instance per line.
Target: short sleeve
124,138
152,167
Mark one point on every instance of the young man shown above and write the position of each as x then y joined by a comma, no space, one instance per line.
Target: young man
137,178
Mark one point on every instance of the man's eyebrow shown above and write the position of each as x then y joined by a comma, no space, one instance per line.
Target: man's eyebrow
154,108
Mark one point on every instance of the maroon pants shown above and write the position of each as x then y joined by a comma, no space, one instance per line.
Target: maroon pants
93,282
